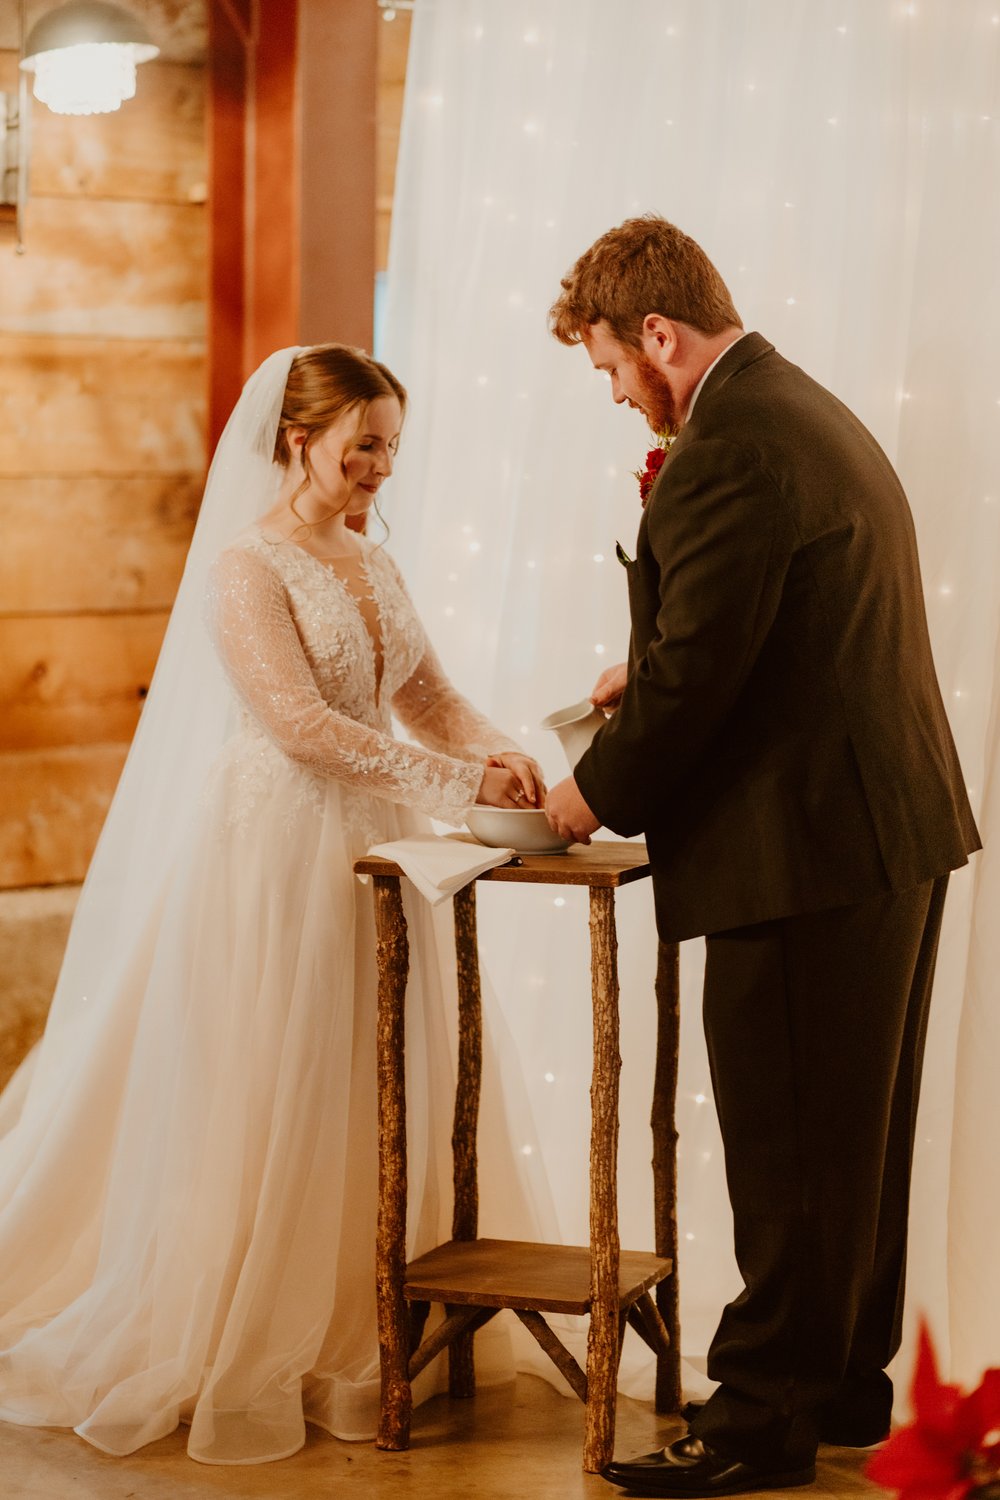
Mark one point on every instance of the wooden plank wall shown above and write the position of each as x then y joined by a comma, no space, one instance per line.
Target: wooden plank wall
103,377
102,448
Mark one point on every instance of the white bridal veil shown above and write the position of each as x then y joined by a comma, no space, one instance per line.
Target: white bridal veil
183,724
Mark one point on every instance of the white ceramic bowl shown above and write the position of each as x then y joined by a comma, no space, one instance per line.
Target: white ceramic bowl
523,829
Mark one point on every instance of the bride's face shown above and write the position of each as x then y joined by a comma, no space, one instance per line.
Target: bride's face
344,458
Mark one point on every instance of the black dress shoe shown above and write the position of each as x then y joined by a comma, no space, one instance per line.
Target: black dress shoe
837,1429
689,1468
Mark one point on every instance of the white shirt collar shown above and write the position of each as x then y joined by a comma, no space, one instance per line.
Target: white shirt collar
697,390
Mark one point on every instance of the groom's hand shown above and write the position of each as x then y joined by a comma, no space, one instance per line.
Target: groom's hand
609,687
568,814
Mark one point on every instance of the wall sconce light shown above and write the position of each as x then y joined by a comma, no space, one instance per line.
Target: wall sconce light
83,56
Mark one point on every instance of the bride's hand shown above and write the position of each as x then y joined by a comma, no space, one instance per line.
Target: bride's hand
609,687
527,772
500,788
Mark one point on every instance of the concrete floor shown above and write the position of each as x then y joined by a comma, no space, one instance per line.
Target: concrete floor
516,1442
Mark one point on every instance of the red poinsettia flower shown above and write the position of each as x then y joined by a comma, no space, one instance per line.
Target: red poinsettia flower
953,1445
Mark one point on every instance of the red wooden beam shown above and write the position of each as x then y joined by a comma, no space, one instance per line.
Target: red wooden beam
227,119
338,63
275,217
292,136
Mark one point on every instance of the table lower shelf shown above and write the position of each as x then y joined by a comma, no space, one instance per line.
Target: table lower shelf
523,1274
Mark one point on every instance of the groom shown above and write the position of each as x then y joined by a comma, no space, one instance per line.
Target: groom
779,738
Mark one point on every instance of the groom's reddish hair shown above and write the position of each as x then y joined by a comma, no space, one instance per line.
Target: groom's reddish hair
644,266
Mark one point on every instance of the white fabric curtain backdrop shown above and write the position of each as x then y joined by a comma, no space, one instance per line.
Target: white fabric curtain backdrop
840,163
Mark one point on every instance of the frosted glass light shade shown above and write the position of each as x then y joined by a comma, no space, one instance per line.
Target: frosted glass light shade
88,80
84,56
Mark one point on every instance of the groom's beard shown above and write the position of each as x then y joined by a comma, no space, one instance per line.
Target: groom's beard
657,399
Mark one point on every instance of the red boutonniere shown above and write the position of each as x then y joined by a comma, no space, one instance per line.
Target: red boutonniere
654,463
952,1447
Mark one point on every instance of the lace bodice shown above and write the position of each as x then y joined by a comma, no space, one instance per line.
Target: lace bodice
295,646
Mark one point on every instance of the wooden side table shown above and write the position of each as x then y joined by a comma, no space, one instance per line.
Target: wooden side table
474,1278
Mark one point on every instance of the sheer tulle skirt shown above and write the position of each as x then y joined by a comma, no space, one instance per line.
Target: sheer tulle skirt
187,1203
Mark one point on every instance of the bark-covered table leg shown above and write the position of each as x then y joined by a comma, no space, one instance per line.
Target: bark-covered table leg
465,1218
603,1341
390,1246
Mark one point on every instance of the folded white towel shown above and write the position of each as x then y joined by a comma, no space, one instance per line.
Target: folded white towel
441,866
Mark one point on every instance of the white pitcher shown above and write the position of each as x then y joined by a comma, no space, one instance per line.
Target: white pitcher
576,727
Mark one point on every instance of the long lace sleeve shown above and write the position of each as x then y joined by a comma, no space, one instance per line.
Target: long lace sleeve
255,635
438,716
431,709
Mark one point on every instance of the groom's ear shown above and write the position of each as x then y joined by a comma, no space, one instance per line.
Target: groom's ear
660,339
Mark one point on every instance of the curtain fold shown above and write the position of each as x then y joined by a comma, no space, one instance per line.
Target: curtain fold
839,163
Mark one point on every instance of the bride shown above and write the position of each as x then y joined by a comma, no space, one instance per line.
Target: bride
187,1192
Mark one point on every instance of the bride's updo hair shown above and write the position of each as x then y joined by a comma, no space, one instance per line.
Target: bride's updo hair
324,382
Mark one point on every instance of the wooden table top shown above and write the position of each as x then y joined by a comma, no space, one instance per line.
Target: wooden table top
604,863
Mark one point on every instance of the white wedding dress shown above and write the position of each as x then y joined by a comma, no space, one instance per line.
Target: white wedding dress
187,1203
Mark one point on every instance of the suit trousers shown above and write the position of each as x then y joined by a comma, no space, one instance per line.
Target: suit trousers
815,1026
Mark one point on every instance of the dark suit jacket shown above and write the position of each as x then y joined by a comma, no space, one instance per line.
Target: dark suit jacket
781,740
